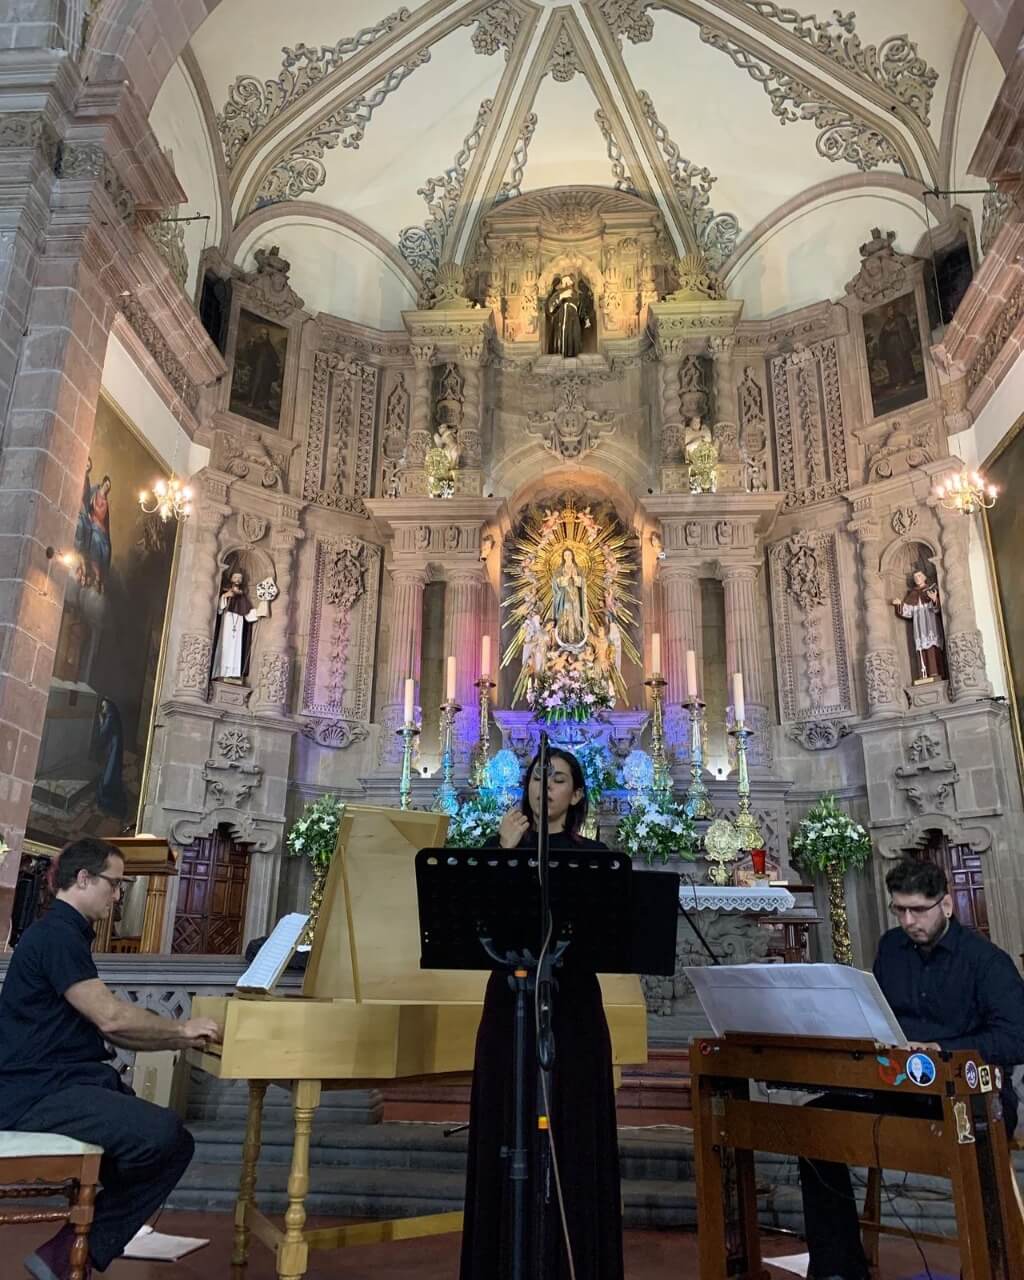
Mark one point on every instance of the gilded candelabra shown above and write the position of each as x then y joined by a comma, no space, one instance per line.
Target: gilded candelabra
447,798
479,761
408,733
746,824
662,778
698,802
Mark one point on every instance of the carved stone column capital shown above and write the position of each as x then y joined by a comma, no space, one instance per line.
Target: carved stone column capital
422,354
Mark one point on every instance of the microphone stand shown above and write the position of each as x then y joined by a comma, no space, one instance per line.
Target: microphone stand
544,1029
693,924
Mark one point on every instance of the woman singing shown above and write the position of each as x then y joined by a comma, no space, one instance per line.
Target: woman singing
583,1090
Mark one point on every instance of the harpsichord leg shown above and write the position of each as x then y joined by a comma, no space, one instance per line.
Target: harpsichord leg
293,1253
247,1182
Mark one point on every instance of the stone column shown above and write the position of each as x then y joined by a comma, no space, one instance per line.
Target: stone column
201,572
881,670
681,630
965,653
744,643
670,360
404,655
419,415
463,602
726,399
272,682
470,362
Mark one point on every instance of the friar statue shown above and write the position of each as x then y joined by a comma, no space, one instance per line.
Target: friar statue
920,606
570,311
233,636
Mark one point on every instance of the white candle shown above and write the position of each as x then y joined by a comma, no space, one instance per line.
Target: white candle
485,656
691,675
410,692
656,654
449,693
739,709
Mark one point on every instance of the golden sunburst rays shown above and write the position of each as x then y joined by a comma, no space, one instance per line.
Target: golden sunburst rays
603,556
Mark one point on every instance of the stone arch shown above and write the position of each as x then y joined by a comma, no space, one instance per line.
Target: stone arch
255,563
915,834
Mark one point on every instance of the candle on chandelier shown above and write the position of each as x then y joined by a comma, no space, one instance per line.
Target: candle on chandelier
739,709
485,656
410,691
656,654
449,694
691,676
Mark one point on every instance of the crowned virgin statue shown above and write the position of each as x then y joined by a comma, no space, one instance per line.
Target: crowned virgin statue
569,602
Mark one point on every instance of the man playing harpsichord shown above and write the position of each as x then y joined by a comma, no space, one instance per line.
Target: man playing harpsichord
56,1020
950,988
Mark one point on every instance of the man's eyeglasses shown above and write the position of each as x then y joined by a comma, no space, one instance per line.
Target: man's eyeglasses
916,912
118,886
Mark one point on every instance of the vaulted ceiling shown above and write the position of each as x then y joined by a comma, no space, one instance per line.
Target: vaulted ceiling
368,142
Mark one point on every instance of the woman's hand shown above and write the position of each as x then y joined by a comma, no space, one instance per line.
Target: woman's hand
514,825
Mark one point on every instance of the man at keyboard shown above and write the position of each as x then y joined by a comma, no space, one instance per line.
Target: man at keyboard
56,1020
950,988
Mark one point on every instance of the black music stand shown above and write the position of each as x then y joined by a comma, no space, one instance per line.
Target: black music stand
481,909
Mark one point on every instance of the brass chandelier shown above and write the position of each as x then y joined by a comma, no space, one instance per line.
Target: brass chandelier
967,492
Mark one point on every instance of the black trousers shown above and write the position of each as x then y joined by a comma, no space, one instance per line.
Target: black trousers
146,1149
831,1208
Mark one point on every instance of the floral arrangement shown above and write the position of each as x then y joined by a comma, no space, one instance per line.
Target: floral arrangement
503,776
476,821
598,772
637,773
654,830
569,692
315,834
828,839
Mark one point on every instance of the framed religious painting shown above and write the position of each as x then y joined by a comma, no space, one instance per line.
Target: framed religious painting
258,374
92,758
895,355
1004,526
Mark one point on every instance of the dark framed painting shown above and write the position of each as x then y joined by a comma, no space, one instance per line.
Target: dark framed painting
1004,525
892,339
257,378
92,757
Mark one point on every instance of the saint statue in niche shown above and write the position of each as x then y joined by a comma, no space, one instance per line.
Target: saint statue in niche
569,602
920,607
570,310
236,618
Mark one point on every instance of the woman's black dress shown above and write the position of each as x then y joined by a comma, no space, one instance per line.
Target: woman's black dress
582,1116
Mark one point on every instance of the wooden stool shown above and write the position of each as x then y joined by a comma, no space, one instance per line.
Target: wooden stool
48,1164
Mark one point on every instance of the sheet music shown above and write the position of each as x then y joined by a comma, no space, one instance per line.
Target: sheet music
796,1000
272,958
157,1247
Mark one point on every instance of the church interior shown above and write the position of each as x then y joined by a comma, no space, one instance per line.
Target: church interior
385,390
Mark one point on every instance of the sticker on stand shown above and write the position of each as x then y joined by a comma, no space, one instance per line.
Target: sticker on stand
997,1073
890,1072
921,1069
971,1074
985,1079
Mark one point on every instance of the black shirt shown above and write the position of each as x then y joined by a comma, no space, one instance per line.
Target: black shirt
962,993
45,1043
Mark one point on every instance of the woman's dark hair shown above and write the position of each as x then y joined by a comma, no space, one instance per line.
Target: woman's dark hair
914,876
87,854
577,814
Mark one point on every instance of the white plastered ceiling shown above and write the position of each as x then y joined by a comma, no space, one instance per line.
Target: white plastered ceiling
338,128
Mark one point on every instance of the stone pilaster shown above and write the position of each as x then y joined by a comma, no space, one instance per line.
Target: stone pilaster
744,644
195,648
404,656
965,653
881,669
272,681
726,400
463,600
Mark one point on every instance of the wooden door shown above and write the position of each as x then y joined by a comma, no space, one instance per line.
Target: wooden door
213,876
963,868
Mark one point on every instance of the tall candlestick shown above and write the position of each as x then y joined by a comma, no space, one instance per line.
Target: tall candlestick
408,734
410,694
449,692
447,799
698,802
485,655
691,676
656,654
746,825
739,709
662,777
478,760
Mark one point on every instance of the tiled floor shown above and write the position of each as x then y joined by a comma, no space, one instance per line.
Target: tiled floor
650,1255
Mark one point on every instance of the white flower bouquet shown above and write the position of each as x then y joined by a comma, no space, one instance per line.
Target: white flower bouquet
315,834
654,831
829,840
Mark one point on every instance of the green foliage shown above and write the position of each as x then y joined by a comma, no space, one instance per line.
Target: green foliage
315,834
827,837
654,831
476,821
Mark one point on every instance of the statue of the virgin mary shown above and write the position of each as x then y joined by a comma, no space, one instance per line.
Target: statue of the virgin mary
569,601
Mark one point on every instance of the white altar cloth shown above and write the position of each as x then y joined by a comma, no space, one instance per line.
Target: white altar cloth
753,899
